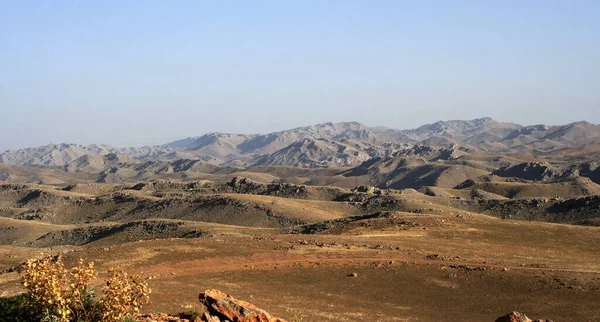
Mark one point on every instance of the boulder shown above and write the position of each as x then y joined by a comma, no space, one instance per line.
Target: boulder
225,307
518,317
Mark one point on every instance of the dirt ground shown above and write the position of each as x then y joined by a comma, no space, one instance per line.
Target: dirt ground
324,254
445,274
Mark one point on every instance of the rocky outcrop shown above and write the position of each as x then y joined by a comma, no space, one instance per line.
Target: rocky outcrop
366,189
223,307
518,317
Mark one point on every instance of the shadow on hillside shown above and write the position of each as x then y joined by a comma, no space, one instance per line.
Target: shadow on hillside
30,196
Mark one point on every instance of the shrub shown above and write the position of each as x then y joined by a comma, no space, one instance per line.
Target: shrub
14,309
46,283
55,294
296,317
124,295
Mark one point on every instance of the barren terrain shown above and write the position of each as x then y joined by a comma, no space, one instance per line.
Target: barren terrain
451,221
437,254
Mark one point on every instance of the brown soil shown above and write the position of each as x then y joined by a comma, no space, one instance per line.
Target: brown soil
294,249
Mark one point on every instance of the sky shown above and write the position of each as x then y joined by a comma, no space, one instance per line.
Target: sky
133,73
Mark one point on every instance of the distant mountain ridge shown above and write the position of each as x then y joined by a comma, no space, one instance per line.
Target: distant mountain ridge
324,145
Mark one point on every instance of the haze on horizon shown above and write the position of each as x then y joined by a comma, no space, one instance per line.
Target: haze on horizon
127,73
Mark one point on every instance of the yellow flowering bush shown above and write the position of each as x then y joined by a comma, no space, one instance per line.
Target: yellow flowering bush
45,282
61,295
124,295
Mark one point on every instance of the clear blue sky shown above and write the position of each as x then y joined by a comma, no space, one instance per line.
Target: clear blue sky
130,73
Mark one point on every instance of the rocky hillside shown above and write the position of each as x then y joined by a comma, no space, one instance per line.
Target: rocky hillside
312,153
483,134
443,154
63,154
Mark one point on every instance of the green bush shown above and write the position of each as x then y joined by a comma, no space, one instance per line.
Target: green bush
15,309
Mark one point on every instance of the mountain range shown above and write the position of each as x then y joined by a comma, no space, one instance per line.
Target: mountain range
457,149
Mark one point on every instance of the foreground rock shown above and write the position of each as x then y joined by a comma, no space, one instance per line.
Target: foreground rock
218,307
159,317
224,307
518,317
221,307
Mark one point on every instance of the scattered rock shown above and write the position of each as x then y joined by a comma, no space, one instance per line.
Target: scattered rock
353,275
518,317
366,189
160,317
433,256
469,268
